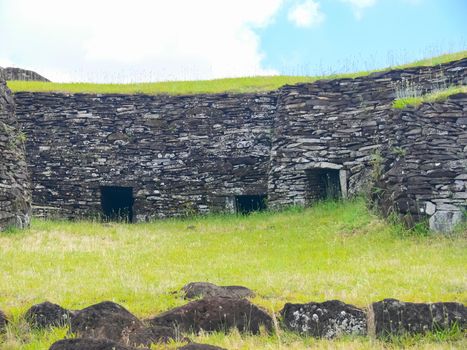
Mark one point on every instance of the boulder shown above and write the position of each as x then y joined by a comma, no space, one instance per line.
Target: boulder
206,289
3,321
215,314
108,320
329,320
90,344
47,315
394,317
197,346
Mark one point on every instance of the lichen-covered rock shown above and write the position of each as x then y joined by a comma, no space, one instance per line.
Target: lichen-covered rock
47,314
15,201
108,320
205,289
90,344
394,317
3,321
197,346
329,320
216,314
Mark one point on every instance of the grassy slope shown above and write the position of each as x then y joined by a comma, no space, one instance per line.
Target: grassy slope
236,85
334,250
436,96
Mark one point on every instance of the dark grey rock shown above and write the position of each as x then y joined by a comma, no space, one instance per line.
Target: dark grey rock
197,346
206,289
108,320
15,195
393,317
3,321
90,344
329,320
215,314
47,315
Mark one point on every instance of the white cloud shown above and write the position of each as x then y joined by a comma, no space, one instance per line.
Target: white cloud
358,6
306,14
121,40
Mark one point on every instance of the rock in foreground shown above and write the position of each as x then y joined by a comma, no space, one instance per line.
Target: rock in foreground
47,315
89,344
206,289
215,314
108,320
196,346
329,320
3,321
394,317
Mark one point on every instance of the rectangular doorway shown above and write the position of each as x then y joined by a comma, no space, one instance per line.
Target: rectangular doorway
117,203
322,184
245,204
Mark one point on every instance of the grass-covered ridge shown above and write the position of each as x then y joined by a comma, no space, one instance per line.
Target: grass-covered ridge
331,251
435,96
232,85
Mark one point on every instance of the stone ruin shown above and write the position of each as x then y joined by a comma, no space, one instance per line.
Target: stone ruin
15,197
140,157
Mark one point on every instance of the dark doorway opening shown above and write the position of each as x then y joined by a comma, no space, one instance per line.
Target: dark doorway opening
323,184
246,204
117,203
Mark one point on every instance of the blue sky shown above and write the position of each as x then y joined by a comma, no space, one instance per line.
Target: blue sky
386,32
154,40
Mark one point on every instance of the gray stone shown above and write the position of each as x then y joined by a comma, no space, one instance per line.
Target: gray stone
204,289
391,317
430,208
445,221
330,319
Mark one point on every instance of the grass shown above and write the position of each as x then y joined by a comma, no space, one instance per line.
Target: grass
436,96
231,85
335,250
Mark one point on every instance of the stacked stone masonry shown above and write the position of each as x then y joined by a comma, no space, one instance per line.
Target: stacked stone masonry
15,201
194,154
426,164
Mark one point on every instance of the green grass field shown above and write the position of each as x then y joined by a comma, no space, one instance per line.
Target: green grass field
436,96
233,85
334,250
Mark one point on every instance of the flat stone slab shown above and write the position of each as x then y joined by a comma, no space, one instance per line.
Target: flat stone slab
394,317
329,320
205,289
3,321
47,314
108,320
197,346
215,314
90,344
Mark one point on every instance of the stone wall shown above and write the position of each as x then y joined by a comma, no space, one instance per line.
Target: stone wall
22,74
180,154
426,165
194,154
341,124
14,182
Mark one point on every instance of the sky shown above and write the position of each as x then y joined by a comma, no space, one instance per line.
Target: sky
121,41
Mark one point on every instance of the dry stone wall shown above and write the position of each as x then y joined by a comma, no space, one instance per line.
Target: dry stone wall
179,154
194,154
14,181
341,125
426,166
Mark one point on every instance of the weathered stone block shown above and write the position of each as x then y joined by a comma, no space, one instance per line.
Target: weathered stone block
329,320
